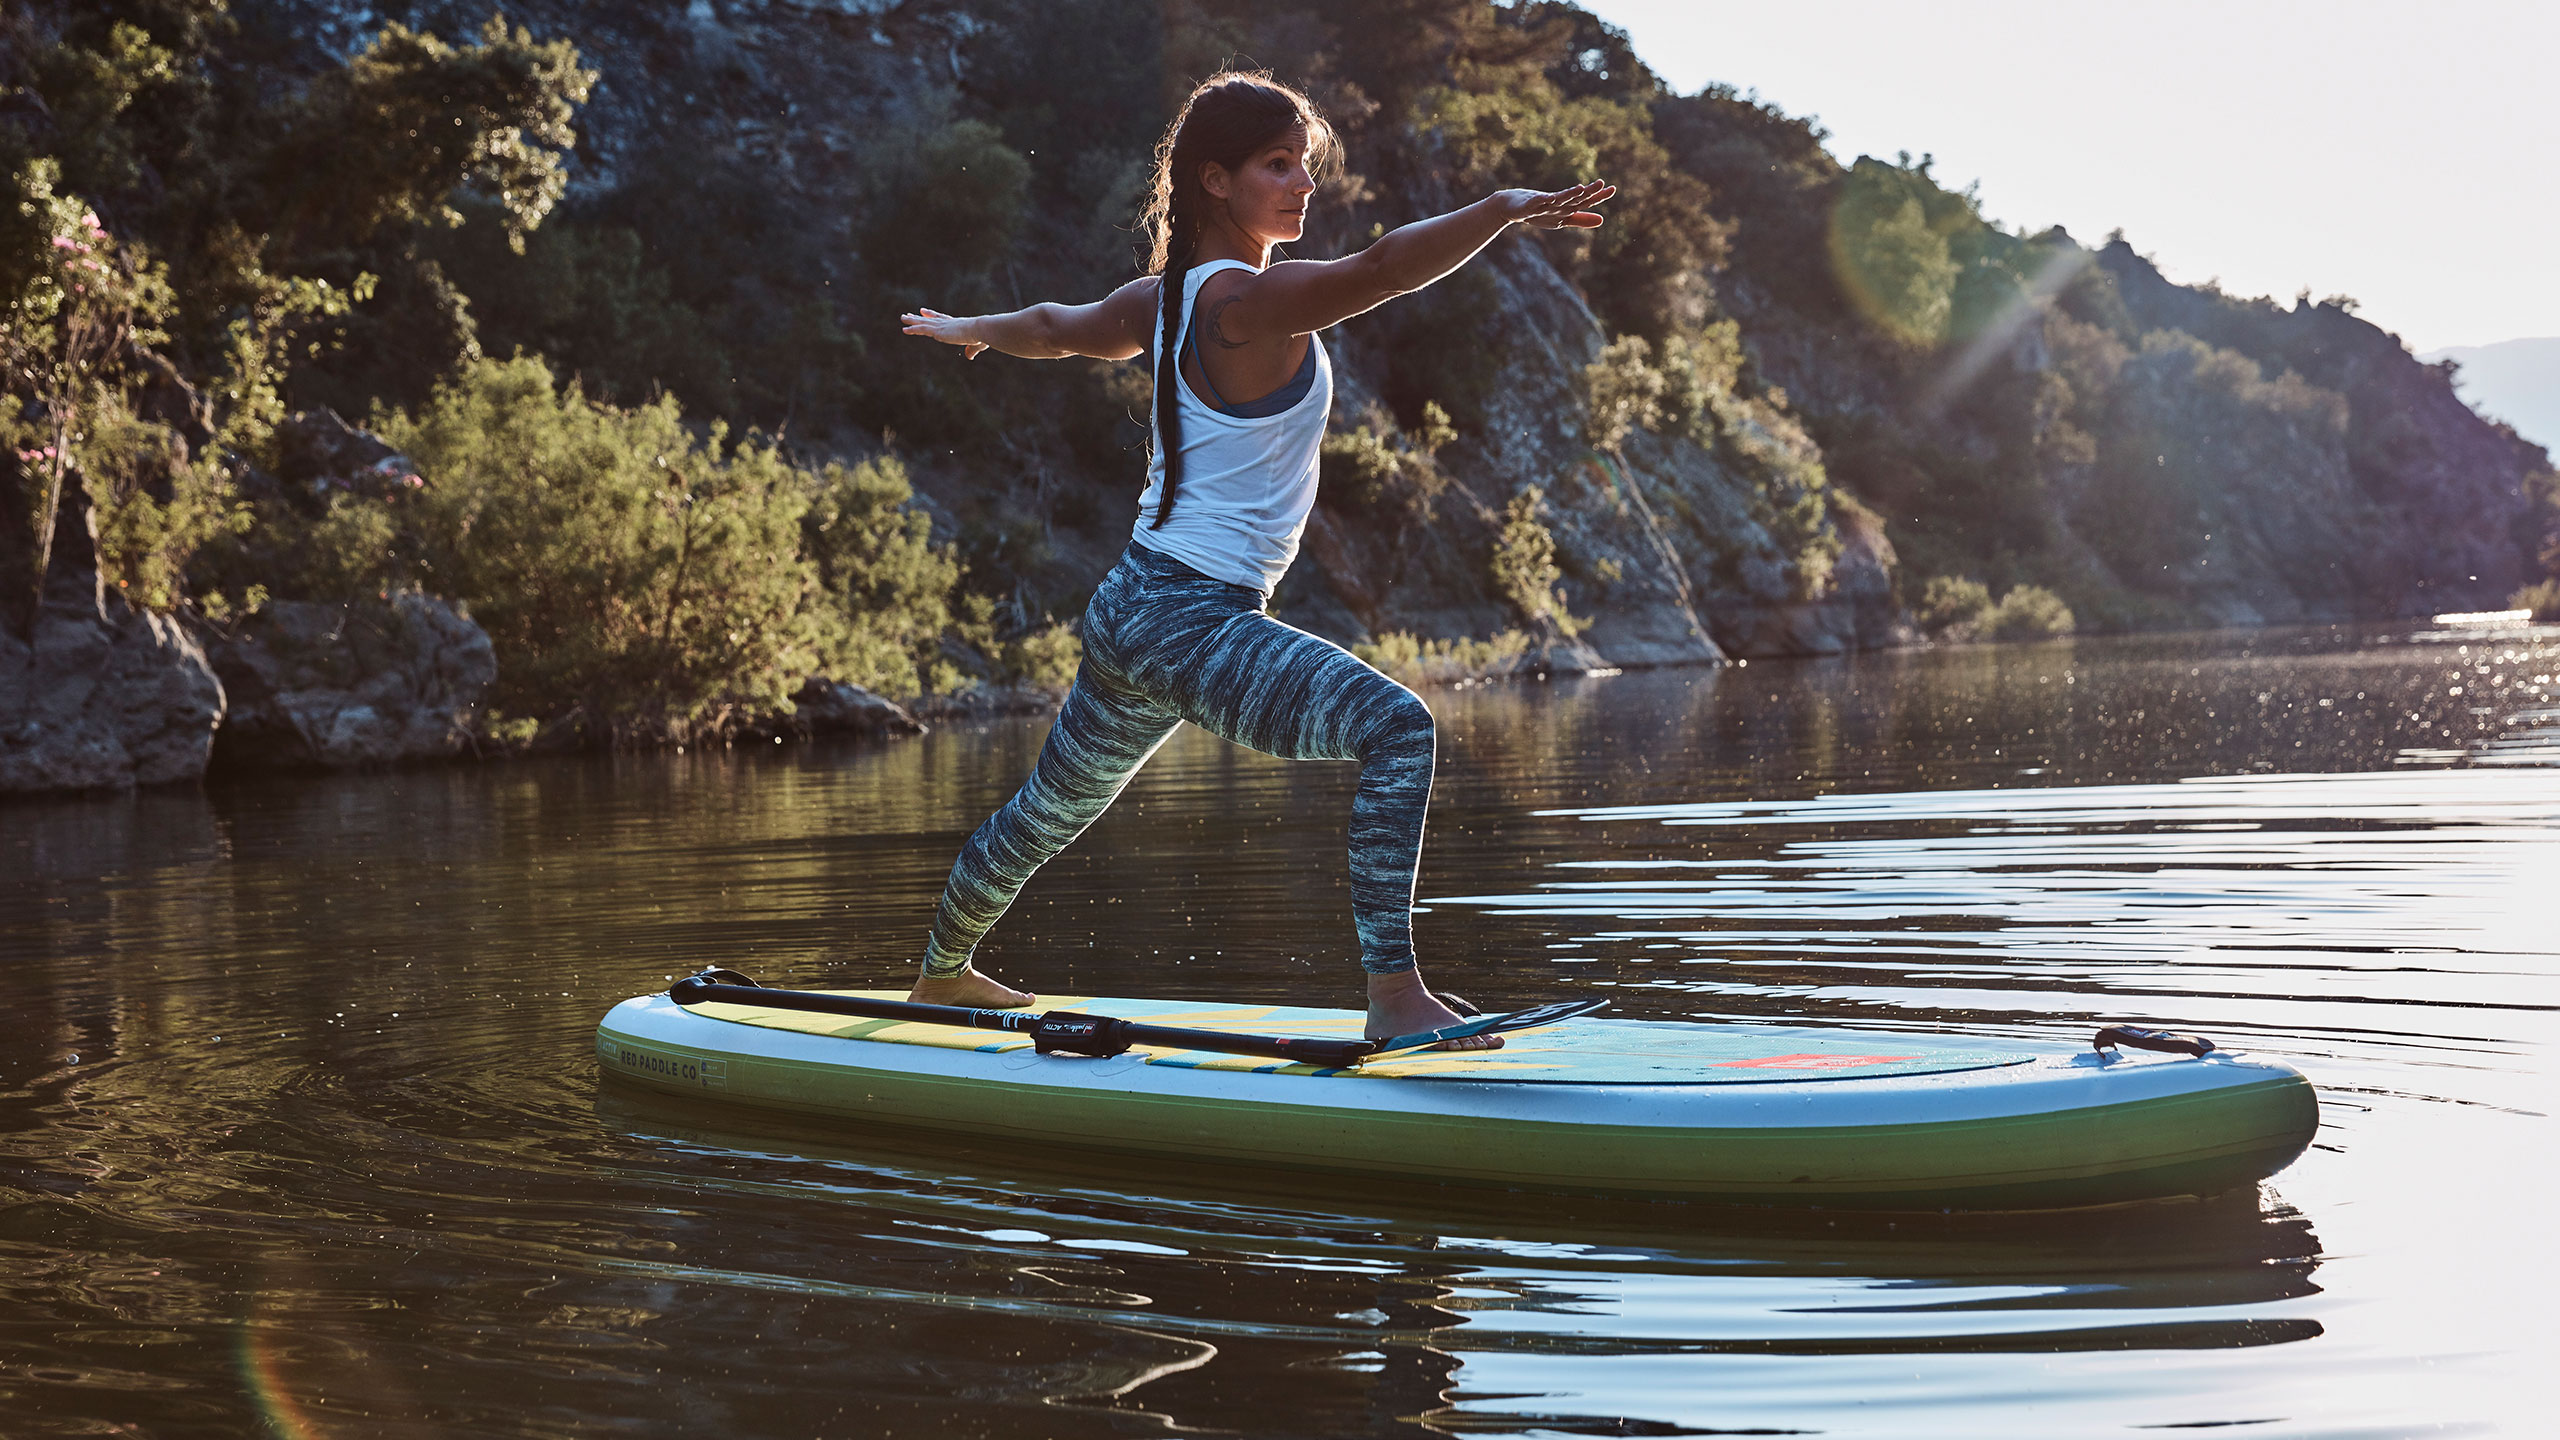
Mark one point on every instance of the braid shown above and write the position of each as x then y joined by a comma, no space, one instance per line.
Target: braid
1177,269
1225,120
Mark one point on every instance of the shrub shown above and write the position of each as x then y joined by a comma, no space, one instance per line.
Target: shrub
649,581
959,201
1622,392
1643,272
2542,598
82,309
891,586
2027,612
1949,601
1415,661
1374,465
1044,657
1524,565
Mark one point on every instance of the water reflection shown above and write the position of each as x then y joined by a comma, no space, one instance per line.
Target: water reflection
298,1133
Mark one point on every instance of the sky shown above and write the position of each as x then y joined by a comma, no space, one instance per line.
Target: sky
2404,154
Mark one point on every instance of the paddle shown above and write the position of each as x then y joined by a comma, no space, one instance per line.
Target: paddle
1101,1035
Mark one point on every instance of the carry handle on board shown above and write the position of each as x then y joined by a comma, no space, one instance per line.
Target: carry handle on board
2142,1039
1065,1031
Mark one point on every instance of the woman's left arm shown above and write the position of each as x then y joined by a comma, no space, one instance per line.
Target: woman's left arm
1112,328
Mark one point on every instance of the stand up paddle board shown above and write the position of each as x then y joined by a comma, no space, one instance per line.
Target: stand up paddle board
1746,1113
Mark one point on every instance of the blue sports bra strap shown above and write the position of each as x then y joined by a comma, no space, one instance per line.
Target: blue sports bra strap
1191,346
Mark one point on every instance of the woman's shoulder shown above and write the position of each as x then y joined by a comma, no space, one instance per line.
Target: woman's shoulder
1220,277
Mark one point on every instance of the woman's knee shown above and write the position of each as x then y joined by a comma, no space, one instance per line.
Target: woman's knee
1401,723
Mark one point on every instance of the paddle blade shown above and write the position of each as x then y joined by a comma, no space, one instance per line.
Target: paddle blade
1555,1013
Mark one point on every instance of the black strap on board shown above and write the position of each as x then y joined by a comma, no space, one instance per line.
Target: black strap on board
2142,1039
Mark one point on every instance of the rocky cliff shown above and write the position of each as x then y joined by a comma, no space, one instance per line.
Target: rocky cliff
1774,407
2158,454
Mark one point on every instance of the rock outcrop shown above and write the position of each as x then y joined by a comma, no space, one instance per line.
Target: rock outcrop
323,686
100,694
830,707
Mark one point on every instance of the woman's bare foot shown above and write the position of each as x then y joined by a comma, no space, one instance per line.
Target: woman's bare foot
1400,1004
978,992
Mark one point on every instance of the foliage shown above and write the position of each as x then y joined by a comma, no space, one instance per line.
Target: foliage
1508,125
1414,661
2027,612
1696,391
74,348
246,214
2541,597
1957,608
1043,657
620,564
893,588
1622,392
582,293
960,192
389,137
1524,565
1892,259
1375,466
1948,601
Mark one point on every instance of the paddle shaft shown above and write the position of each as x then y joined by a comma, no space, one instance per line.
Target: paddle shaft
1106,1030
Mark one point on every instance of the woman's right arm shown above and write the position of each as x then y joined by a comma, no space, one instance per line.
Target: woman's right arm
1298,297
1112,328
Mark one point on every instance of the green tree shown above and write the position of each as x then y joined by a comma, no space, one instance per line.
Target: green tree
1891,261
75,338
645,580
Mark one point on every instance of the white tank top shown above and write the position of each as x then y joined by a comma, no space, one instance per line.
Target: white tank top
1247,484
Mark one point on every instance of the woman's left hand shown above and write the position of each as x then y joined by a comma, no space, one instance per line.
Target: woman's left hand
949,329
1557,209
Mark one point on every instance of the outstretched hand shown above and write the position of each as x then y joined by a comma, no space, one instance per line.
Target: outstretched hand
949,329
1558,209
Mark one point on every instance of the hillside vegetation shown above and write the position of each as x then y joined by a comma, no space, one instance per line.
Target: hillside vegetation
620,283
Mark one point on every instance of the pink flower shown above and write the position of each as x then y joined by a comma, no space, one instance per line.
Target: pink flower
65,242
414,482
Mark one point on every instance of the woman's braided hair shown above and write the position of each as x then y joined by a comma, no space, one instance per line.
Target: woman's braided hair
1226,120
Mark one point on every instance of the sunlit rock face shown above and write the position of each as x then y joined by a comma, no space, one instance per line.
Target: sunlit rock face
2341,479
101,694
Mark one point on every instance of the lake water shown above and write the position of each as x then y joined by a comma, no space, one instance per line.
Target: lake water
300,1135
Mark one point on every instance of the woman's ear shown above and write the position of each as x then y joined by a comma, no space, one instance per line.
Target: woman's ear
1215,179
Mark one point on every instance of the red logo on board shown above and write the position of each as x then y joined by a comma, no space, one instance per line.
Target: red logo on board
1809,1062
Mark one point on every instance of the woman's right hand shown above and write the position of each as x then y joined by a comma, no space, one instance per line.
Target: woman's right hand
1556,209
949,329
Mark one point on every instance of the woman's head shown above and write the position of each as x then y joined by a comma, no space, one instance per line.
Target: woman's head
1245,149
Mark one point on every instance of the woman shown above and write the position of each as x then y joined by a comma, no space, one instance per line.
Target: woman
1177,631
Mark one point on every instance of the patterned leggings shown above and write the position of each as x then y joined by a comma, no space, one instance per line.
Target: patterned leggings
1164,643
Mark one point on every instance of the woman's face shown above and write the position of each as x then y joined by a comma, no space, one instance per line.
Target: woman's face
1266,197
